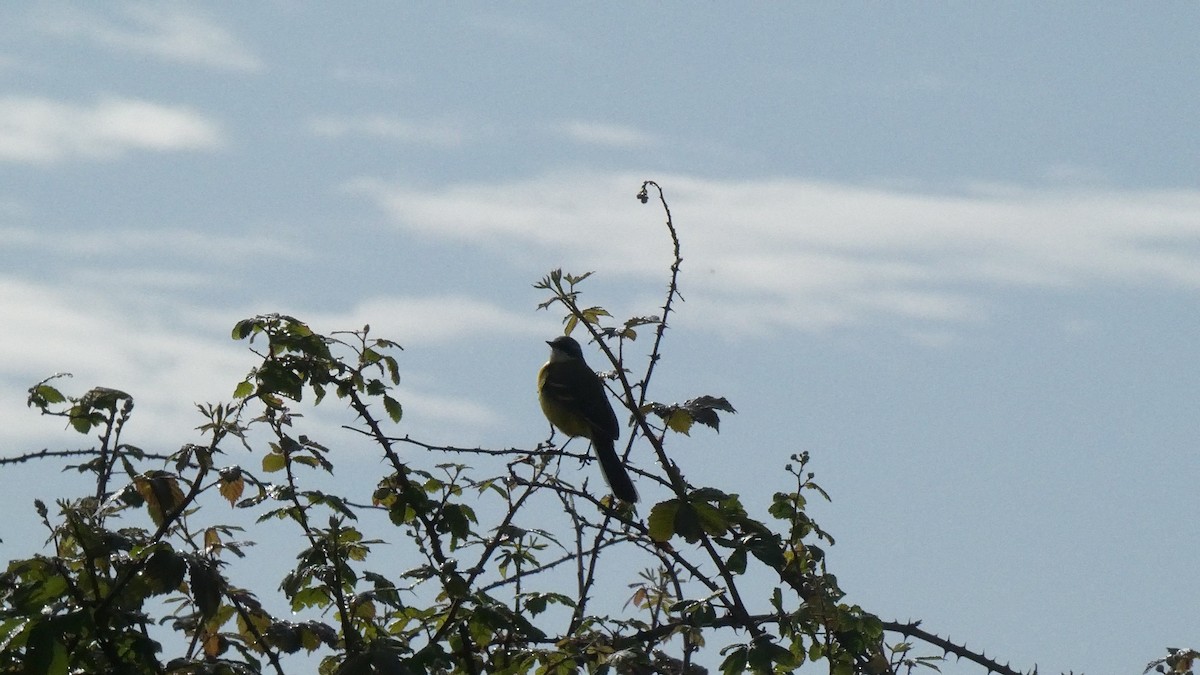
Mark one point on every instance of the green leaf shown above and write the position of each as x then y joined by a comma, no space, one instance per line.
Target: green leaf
662,520
735,662
393,368
783,506
83,419
687,523
206,585
15,631
315,596
162,494
629,333
244,389
393,408
592,315
306,460
680,421
711,520
767,548
104,398
309,639
703,410
455,585
765,654
47,394
165,569
556,598
273,462
680,417
45,651
482,625
457,519
737,561
43,587
573,279
244,328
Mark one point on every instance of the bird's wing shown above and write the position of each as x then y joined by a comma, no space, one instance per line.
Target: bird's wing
587,397
599,411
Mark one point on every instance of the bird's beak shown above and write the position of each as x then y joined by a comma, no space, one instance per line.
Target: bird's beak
549,342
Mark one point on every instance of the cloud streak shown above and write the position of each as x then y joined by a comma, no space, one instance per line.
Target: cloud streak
166,360
389,128
35,130
791,253
162,243
431,320
166,31
170,352
605,135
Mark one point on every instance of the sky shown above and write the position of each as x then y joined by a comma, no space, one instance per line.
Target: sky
950,249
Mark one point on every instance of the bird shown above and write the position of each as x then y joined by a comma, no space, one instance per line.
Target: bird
573,399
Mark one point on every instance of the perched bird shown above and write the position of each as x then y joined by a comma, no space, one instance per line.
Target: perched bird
574,401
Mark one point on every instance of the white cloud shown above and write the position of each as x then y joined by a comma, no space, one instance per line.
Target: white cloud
810,255
120,308
610,135
548,213
152,244
42,131
169,31
388,128
431,320
169,353
165,359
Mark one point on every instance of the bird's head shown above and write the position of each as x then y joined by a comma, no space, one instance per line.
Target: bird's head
563,348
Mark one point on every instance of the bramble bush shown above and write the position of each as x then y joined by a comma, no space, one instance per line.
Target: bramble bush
497,573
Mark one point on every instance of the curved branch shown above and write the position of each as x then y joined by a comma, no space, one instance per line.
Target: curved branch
914,630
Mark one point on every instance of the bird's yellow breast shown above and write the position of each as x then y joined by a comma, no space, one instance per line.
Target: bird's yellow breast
564,418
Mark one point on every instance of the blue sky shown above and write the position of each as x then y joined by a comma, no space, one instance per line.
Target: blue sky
953,250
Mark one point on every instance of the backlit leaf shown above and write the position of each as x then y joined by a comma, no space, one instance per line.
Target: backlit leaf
206,588
680,421
212,540
232,486
47,394
161,493
273,462
662,520
393,408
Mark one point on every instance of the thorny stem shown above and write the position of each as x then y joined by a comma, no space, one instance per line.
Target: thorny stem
350,635
672,291
43,454
678,484
432,536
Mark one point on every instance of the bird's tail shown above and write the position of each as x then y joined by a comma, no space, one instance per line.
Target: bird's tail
614,471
